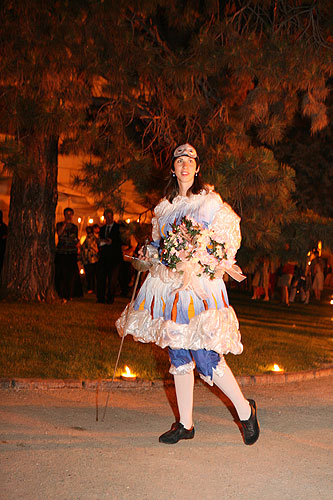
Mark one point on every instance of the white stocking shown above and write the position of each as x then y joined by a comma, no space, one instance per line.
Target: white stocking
228,384
184,385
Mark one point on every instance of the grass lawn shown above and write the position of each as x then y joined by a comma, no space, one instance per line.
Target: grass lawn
79,340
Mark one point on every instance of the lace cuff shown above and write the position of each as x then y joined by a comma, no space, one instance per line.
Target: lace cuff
182,369
219,370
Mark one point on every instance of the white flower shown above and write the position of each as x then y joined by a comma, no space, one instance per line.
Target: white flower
201,252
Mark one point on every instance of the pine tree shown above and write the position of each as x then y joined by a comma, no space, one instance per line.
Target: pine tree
230,79
311,158
47,69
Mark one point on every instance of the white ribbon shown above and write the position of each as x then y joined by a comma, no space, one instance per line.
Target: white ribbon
191,279
236,273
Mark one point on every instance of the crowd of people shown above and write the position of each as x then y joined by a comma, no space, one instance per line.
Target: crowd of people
104,255
291,281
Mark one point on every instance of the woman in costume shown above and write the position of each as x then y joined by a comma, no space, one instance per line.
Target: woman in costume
185,308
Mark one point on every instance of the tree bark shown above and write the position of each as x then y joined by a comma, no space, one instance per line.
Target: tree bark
28,272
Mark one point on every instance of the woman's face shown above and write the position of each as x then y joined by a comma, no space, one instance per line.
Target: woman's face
185,169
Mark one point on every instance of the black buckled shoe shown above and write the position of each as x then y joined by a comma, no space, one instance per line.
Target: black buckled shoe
176,433
251,429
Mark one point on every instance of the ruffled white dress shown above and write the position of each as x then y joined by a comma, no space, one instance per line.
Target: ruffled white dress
200,316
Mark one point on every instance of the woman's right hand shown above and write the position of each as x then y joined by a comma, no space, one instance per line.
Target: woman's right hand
142,253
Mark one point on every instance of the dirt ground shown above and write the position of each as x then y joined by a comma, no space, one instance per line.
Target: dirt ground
53,448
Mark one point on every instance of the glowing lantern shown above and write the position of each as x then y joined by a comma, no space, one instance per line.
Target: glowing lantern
82,271
128,221
91,220
102,218
127,374
79,220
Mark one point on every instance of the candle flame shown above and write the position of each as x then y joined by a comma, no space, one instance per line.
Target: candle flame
128,373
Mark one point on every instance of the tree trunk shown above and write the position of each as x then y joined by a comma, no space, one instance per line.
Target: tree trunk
28,272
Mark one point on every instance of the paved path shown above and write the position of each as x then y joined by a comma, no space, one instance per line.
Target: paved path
52,448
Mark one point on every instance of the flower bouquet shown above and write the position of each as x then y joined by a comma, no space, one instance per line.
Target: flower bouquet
192,244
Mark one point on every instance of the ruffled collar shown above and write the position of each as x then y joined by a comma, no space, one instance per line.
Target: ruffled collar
187,199
165,206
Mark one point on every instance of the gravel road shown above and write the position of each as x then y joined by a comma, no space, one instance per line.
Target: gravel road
52,447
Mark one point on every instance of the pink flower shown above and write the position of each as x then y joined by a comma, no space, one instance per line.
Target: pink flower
182,254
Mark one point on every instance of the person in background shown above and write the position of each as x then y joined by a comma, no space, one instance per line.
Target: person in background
67,277
260,282
317,269
328,277
284,281
96,231
89,256
110,258
265,277
3,239
297,285
256,283
307,283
